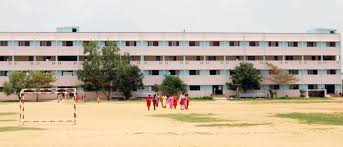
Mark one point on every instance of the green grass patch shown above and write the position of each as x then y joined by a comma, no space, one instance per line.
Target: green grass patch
7,120
13,128
204,98
233,125
7,113
315,118
290,100
191,118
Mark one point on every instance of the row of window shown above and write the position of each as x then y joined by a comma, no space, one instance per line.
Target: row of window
274,87
191,72
60,73
177,58
218,72
190,43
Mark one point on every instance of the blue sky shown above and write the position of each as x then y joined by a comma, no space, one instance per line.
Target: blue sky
171,15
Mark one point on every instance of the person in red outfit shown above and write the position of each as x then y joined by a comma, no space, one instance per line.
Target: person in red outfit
175,101
148,101
187,101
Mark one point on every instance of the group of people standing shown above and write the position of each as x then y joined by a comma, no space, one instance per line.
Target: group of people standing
170,101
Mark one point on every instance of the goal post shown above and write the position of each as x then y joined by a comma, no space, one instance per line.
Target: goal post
58,91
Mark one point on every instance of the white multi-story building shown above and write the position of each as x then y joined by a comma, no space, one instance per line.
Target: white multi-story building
202,60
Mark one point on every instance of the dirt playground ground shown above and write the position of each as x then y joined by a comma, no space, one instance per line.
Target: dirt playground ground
129,124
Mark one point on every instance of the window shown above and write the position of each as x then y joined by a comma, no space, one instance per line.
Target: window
292,44
24,43
154,72
232,72
273,44
67,58
327,58
293,72
316,58
3,43
294,87
238,58
251,58
4,58
158,58
312,72
214,43
3,73
198,58
194,43
214,72
173,43
152,43
331,72
331,44
130,43
312,86
68,73
67,43
311,44
174,72
211,58
74,30
45,43
289,58
194,72
234,43
276,58
194,87
275,87
254,43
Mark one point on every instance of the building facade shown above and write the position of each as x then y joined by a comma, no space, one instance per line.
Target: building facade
204,61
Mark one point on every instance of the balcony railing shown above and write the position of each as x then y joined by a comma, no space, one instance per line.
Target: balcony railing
206,65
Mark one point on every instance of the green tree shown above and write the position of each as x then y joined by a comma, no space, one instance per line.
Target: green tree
38,79
111,59
33,79
155,88
129,78
245,77
279,76
16,82
92,72
172,85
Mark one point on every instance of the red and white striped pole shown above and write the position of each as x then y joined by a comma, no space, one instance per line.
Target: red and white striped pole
75,115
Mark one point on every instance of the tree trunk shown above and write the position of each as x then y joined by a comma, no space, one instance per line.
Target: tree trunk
37,98
97,96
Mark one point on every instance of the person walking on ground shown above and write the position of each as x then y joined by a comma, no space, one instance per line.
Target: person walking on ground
170,101
148,101
163,101
175,100
187,101
155,101
182,102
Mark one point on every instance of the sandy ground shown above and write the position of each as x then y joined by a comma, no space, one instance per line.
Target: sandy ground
128,124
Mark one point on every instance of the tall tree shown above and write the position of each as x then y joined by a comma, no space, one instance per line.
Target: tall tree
92,72
245,77
111,59
129,78
279,76
172,85
105,69
16,82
